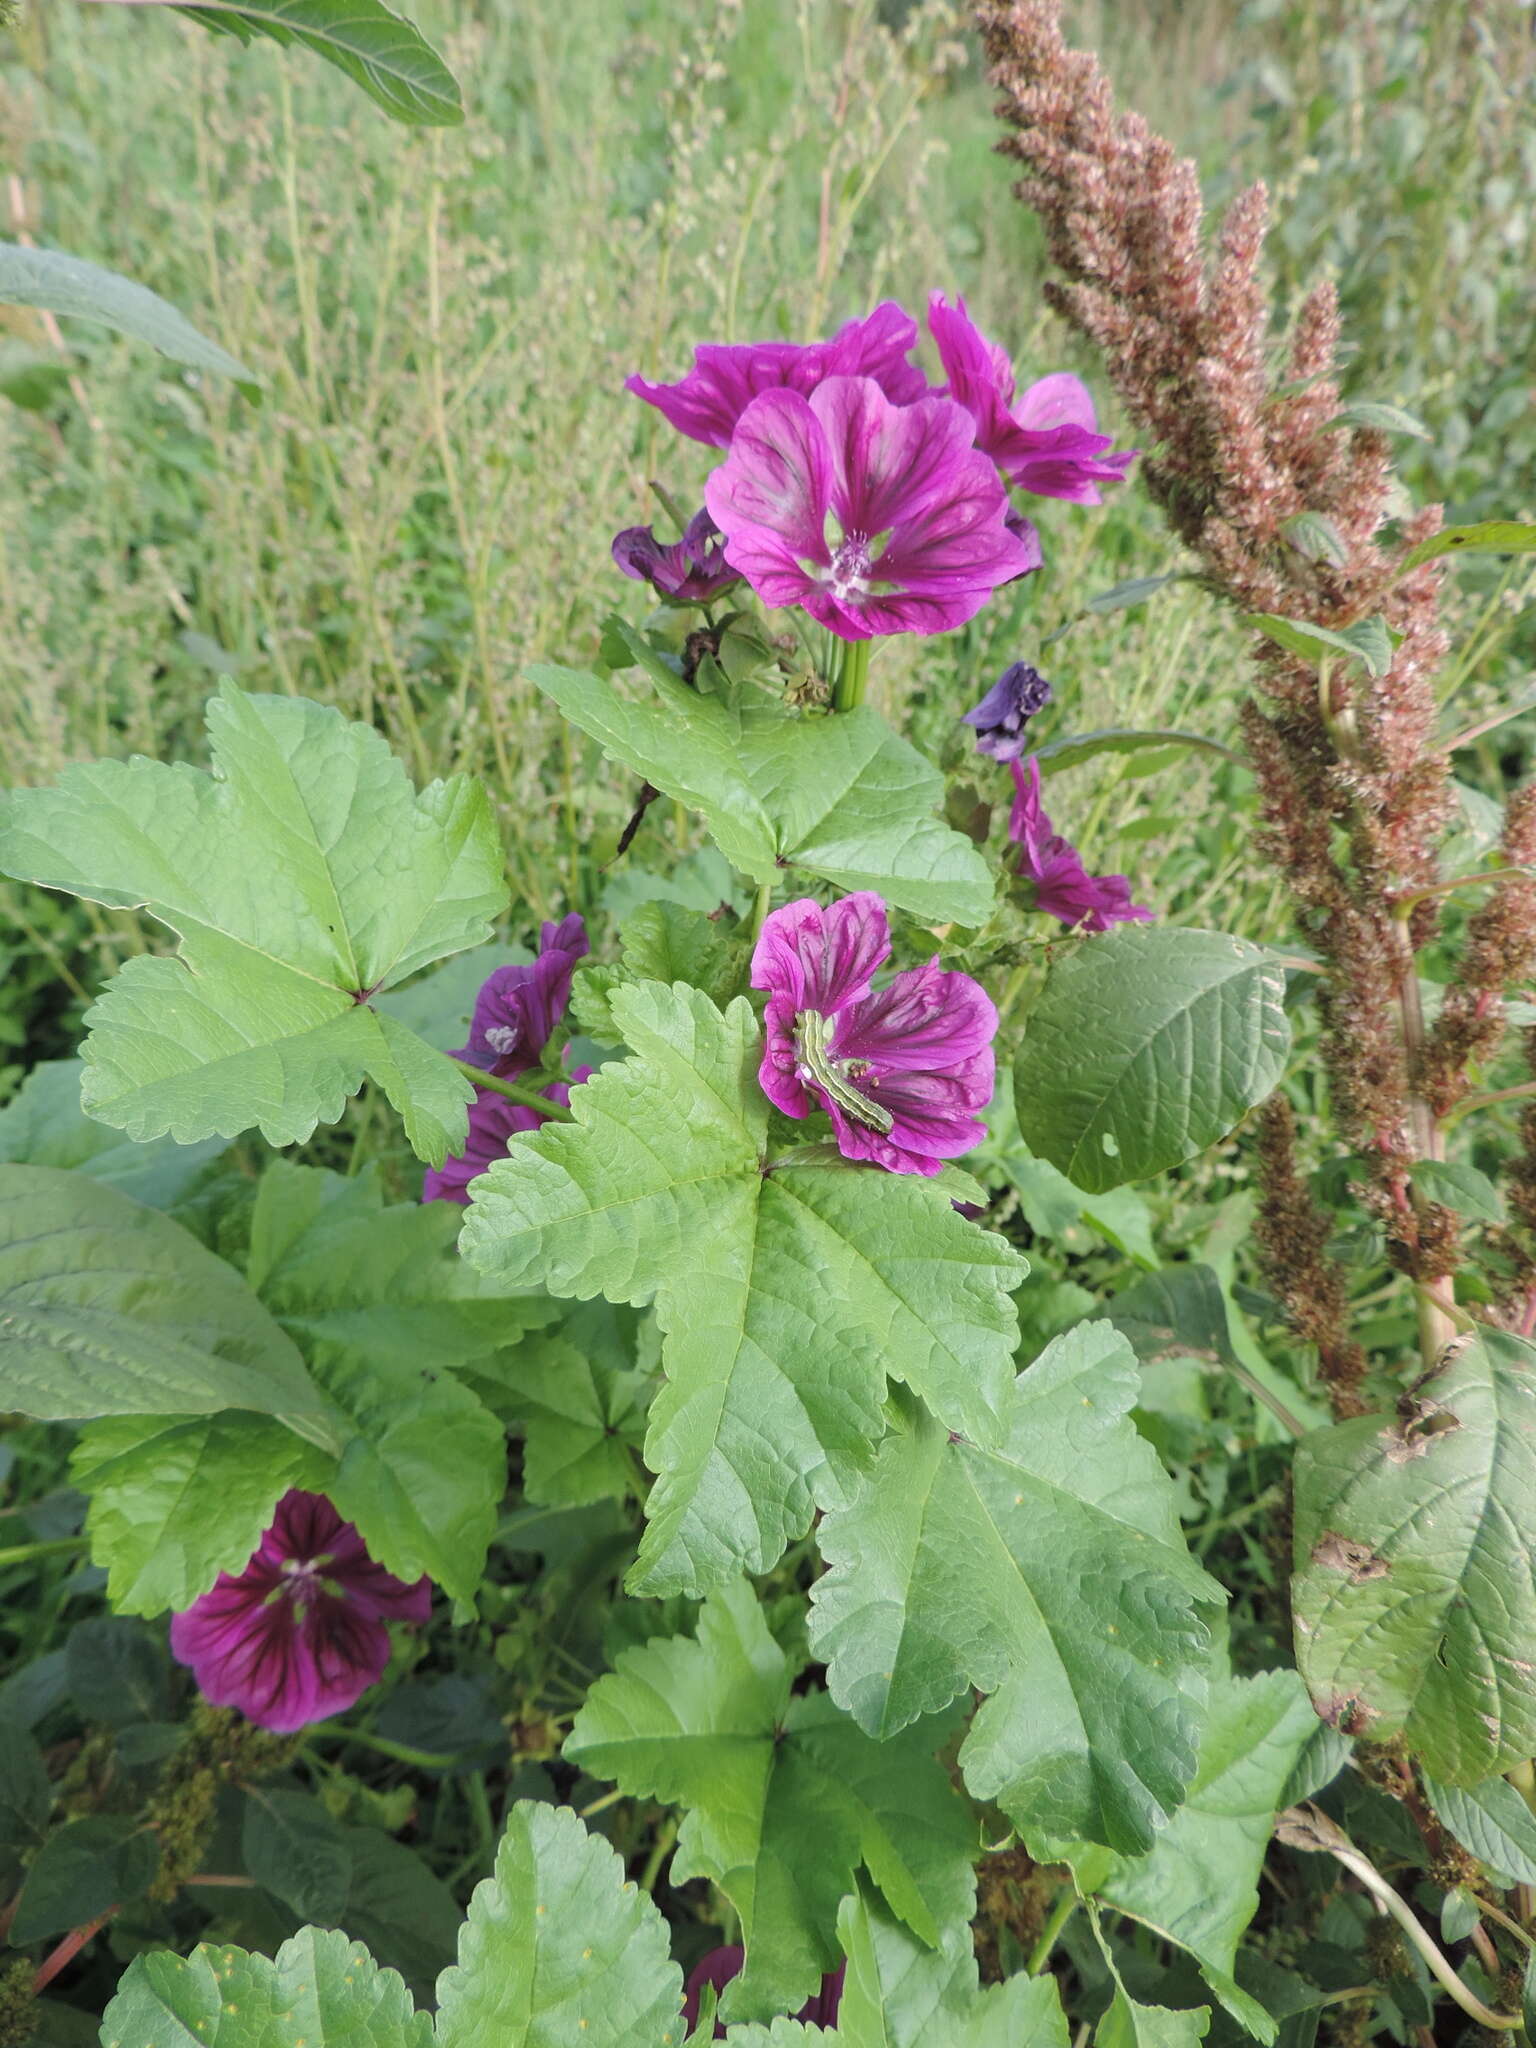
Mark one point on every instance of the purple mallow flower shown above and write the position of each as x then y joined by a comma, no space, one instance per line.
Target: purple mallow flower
1045,440
300,1634
689,571
725,378
722,1964
1002,715
515,1012
902,1071
877,518
1063,886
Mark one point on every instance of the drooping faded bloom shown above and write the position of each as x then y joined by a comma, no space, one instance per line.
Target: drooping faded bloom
1063,886
876,518
516,1010
726,376
722,1964
1046,439
300,1634
902,1071
688,571
1002,715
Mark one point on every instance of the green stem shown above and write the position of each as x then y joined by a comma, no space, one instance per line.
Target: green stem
1065,1906
1471,1102
514,1091
55,1546
853,676
401,1752
761,906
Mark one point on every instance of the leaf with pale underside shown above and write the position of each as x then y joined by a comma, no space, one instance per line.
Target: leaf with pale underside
109,1308
841,798
787,1799
57,282
1049,1572
303,875
785,1297
377,49
1414,1601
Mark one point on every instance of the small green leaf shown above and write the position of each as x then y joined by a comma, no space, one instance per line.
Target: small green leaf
378,49
56,283
1076,748
784,1297
44,1125
1488,537
841,798
1122,596
901,1993
1458,1914
1414,1602
116,1671
1051,1573
1129,2025
1315,538
559,1947
24,1798
1492,1822
1369,642
1381,419
1461,1188
292,1847
177,1499
81,1871
302,877
1147,1045
322,1988
786,1798
108,1308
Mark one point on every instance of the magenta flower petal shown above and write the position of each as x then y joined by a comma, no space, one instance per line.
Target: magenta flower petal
1046,441
519,1006
1063,886
722,1964
1004,713
707,404
688,571
300,1633
901,1070
876,518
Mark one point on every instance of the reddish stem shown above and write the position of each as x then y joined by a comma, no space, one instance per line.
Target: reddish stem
67,1950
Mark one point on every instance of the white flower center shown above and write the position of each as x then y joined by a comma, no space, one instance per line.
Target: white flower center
835,1078
849,573
502,1038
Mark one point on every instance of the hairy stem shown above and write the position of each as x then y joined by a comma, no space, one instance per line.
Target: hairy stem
530,1098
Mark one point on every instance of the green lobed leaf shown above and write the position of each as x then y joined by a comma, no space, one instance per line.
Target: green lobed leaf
302,876
560,1947
1488,537
583,1418
1129,2025
786,1798
842,798
1198,1885
323,1989
57,283
1414,1602
1051,1573
1147,1044
177,1499
784,1297
1369,641
44,1125
379,50
109,1308
1493,1822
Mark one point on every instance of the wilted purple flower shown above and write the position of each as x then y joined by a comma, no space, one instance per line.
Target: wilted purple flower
725,378
1046,441
517,1008
900,1070
1001,716
1063,886
877,518
689,571
300,1634
722,1964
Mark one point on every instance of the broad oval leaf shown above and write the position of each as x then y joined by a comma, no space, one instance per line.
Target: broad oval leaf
1148,1044
1491,1820
386,55
1414,1601
1050,1572
57,283
1368,641
1489,537
1078,747
840,797
559,1946
303,876
109,1308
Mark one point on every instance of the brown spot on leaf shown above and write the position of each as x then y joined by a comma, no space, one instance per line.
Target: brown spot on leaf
1335,1553
1347,1712
1420,1422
